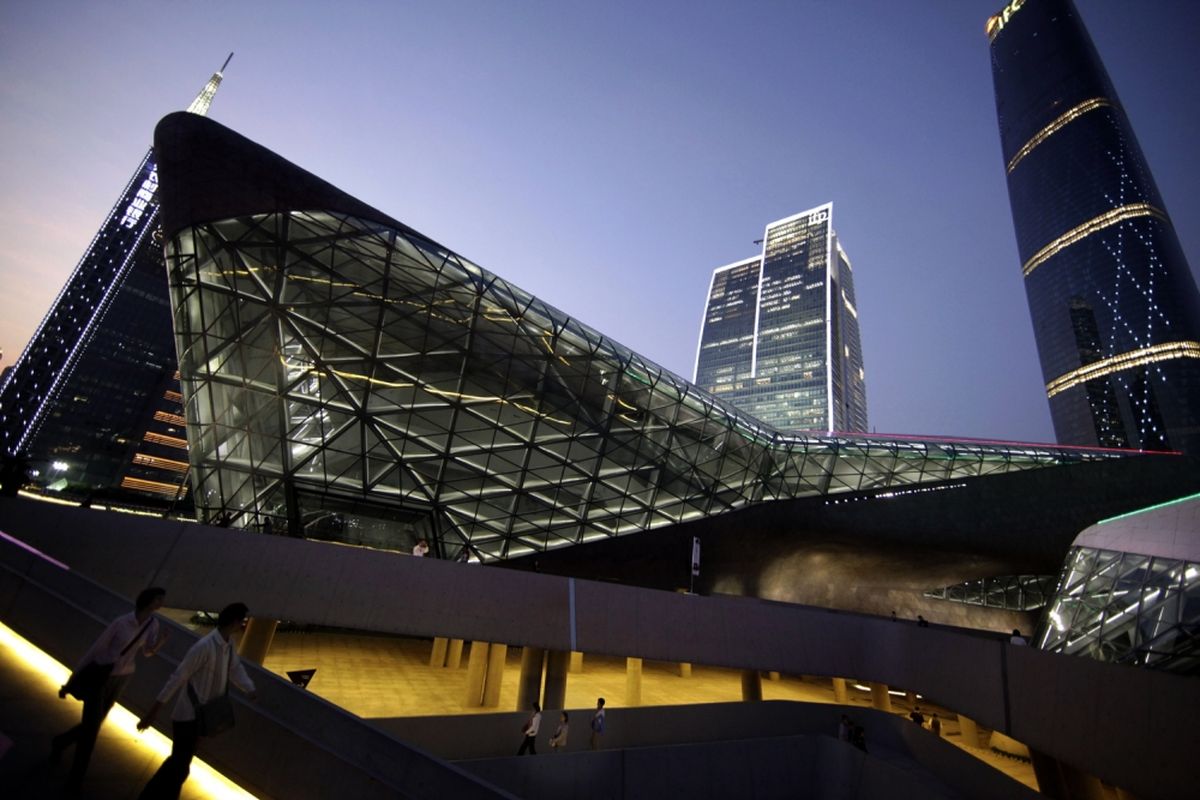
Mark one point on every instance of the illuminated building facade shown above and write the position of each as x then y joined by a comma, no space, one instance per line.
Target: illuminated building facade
1115,310
780,338
347,378
1129,591
93,403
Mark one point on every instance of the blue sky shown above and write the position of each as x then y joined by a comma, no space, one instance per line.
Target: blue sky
607,156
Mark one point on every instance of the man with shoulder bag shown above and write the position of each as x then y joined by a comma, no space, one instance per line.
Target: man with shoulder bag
203,707
102,674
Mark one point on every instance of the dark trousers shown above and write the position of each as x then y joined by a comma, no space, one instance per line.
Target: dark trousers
167,782
529,744
83,735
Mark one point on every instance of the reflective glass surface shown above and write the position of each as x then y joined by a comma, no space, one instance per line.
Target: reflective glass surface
352,381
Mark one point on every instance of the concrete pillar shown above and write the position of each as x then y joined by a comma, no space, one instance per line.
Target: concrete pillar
256,639
633,681
497,653
772,675
529,685
454,654
476,671
911,697
969,731
437,656
685,669
880,698
751,686
839,691
576,661
555,694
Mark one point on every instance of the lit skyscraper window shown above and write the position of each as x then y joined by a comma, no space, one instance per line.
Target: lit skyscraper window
780,337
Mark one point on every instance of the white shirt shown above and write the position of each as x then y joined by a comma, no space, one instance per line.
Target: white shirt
116,637
535,722
420,549
205,667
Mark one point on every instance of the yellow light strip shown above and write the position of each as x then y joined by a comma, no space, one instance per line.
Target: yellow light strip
1105,220
1055,126
1134,358
161,463
203,780
157,487
163,439
174,419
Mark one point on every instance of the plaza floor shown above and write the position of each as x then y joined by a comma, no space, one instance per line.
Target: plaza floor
378,676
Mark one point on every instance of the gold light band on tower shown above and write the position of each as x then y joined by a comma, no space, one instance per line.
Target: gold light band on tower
1105,220
1134,358
157,487
1057,125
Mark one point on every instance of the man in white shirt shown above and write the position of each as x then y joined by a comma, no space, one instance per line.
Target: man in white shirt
531,731
119,645
209,666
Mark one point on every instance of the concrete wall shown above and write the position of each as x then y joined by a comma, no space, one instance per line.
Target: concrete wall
795,766
288,745
1103,719
796,735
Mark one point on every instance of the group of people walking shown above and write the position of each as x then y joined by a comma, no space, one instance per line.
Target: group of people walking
558,741
200,685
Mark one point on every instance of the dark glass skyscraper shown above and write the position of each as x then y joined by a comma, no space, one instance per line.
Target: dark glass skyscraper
1116,314
780,337
93,402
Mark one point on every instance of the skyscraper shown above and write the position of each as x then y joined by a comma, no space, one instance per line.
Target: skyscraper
780,335
1115,310
93,402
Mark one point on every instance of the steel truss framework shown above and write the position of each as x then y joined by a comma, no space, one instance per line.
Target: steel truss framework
1012,592
1128,608
334,363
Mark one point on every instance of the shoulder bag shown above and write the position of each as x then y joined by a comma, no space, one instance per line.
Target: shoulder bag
87,681
215,716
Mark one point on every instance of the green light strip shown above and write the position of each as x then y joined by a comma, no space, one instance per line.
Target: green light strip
1150,508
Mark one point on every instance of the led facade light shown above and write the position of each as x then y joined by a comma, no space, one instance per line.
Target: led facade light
1114,305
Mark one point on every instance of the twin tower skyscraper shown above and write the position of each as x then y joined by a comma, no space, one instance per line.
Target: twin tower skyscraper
780,337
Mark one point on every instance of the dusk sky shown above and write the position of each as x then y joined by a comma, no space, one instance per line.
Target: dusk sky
606,156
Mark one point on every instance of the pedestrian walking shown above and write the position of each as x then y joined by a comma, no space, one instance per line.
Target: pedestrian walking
101,675
843,730
530,731
559,740
204,675
597,724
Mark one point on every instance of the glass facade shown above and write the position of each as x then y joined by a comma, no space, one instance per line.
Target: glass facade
1011,592
93,403
1128,608
780,338
347,378
1115,310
